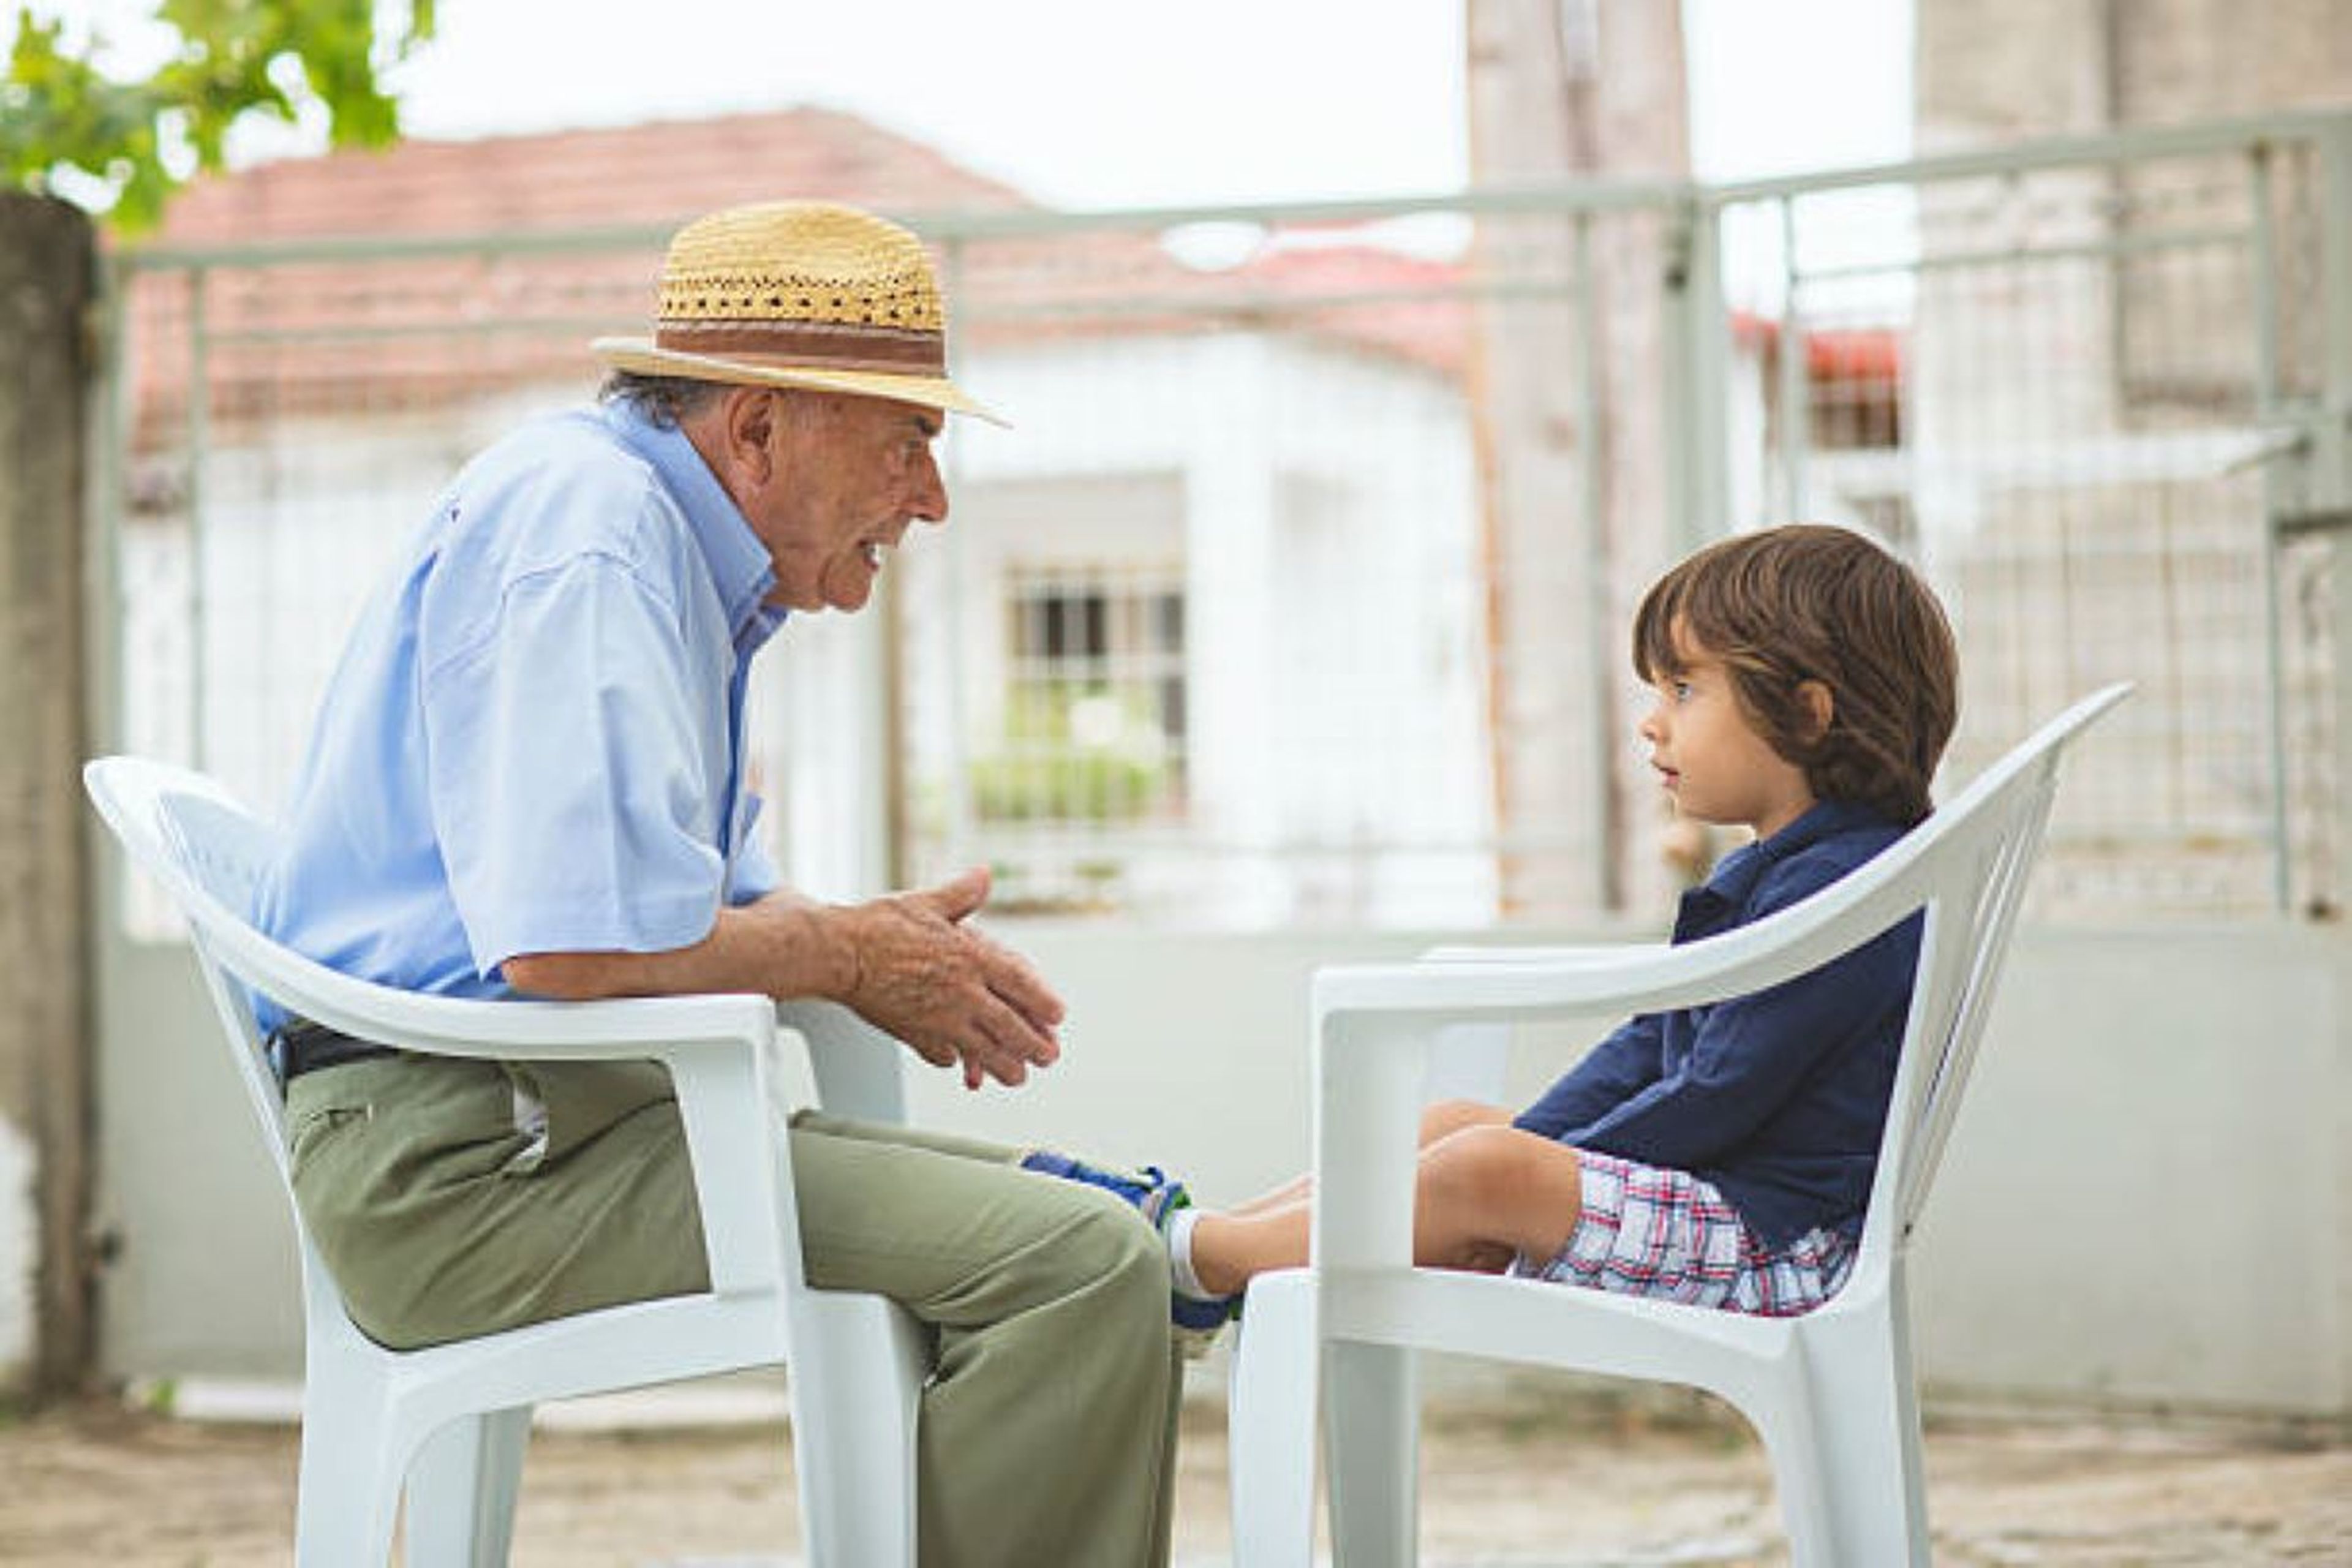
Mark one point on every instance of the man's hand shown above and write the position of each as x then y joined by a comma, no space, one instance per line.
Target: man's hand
951,993
907,963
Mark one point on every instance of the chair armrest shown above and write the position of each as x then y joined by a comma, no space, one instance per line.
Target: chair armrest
621,1028
1376,1025
1481,953
715,1047
717,1050
624,1028
1471,1059
858,1067
1461,985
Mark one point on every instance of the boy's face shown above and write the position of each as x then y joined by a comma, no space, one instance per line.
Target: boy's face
1715,766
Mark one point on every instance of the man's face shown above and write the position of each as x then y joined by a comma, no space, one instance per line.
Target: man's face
851,475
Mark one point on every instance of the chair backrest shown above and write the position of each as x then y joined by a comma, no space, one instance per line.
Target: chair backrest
1968,866
208,853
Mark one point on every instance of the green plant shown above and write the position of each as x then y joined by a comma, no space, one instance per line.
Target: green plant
1073,753
1075,788
140,139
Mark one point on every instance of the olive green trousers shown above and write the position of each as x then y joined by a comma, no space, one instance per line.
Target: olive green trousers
453,1198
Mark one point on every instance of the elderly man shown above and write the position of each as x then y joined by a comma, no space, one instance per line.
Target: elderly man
528,778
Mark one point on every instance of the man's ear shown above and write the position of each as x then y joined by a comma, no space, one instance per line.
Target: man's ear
1821,707
748,416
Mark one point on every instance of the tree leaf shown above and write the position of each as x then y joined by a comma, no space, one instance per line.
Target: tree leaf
59,109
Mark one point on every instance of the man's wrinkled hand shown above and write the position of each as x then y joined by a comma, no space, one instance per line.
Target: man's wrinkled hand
951,992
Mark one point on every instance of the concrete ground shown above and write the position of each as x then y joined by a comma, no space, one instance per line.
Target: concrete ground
1568,1479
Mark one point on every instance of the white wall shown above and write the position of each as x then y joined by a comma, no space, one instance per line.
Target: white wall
2149,1197
1322,505
2149,1191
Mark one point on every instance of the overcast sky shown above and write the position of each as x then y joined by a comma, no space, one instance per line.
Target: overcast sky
1094,103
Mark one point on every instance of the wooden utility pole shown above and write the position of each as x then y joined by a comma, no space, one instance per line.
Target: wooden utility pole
1568,403
47,261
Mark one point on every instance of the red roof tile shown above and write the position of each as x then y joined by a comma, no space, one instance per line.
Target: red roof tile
660,173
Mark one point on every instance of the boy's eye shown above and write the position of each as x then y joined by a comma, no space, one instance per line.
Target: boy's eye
1682,690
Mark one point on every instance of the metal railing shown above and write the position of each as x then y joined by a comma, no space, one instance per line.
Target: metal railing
1299,592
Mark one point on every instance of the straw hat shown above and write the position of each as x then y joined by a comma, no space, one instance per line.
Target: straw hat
799,294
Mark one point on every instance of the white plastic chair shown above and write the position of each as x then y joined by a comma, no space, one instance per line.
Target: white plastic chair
451,1421
1831,1394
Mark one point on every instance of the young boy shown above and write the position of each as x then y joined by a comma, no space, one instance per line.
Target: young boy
1719,1156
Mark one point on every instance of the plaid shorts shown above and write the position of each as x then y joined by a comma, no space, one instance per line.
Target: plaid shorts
1648,1231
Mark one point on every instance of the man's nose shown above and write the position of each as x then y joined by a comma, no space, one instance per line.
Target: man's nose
930,500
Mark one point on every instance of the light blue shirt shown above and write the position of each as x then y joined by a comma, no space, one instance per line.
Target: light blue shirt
534,740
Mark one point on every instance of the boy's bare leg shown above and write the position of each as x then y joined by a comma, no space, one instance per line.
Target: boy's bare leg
1291,1193
1489,1192
1438,1121
1230,1249
1483,1194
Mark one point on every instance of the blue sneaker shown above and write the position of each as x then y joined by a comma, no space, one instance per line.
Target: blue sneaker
1151,1191
1201,1316
1155,1196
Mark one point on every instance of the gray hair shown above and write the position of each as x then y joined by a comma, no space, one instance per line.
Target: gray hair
662,400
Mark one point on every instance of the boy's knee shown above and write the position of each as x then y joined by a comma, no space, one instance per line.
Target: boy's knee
1443,1118
1473,1163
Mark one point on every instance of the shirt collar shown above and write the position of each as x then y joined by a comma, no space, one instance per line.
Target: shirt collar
739,564
1736,874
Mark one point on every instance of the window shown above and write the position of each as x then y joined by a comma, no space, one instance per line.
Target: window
1094,716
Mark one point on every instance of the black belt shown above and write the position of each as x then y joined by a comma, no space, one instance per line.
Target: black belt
303,1047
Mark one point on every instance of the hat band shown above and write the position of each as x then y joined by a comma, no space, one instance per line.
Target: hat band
817,345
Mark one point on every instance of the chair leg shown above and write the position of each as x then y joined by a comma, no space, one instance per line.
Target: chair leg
1271,1424
349,1489
1371,1439
1866,1420
856,1374
461,1491
1783,1414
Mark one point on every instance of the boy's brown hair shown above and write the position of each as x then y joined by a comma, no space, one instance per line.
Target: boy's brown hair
1802,603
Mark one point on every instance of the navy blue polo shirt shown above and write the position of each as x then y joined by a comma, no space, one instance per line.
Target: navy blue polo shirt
1777,1099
